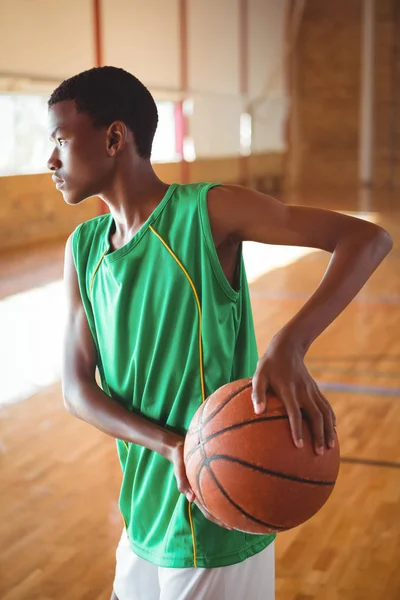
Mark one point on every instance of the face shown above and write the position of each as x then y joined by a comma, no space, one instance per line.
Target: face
80,162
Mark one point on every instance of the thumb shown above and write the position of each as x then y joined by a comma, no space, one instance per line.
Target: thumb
259,392
181,477
184,486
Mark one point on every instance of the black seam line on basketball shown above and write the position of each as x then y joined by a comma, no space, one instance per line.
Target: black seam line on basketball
231,397
201,415
200,430
274,418
268,471
239,508
236,426
370,463
198,483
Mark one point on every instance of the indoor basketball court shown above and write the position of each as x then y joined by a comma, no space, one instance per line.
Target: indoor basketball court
299,99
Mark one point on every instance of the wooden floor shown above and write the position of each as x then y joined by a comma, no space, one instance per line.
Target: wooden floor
59,477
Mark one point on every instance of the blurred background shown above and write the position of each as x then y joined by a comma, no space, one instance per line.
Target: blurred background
299,99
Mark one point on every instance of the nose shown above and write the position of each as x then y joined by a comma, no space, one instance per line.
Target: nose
54,162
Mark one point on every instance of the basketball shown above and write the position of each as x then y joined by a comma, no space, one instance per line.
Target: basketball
245,469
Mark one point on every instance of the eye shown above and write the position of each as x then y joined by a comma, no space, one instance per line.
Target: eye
60,141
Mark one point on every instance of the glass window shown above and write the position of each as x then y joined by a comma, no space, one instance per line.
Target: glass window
24,144
164,145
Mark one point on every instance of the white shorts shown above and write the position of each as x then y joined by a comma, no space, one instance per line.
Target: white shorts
138,579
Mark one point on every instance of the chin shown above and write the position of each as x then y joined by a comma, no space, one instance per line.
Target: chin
72,198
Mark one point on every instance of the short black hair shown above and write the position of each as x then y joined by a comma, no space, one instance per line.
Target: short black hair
110,94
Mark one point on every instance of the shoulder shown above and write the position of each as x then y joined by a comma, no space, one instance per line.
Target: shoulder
196,189
88,234
94,224
222,200
87,229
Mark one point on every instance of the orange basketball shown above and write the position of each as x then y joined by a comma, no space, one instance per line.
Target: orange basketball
245,469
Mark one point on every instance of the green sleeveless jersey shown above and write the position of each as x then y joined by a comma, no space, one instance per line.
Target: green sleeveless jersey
169,330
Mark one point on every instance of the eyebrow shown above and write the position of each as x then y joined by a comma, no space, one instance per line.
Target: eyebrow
55,131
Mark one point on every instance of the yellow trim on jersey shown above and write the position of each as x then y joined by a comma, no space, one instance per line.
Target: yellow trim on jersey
193,535
203,394
91,289
95,271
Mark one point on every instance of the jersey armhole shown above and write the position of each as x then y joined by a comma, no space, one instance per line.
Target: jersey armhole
210,246
75,240
88,308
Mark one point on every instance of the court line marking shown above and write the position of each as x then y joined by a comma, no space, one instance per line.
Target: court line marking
354,372
358,389
370,463
355,357
369,301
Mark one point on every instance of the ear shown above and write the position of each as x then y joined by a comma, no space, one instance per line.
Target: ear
116,137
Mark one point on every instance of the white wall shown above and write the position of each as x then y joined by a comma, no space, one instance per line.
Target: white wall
269,125
54,40
214,51
45,38
266,45
213,40
214,125
267,21
142,36
213,65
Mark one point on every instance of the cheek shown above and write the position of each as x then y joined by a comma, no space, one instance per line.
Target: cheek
85,166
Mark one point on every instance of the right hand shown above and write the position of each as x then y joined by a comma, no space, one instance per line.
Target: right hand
176,458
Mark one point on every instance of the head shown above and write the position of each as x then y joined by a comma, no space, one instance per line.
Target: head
98,120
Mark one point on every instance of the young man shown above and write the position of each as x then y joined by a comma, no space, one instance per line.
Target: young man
158,302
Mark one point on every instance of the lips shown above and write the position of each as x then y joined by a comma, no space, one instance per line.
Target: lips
59,182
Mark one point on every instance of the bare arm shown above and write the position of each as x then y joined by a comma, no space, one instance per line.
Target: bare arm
357,248
86,400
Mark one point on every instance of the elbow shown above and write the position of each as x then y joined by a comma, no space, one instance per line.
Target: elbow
69,407
373,238
370,241
77,396
68,400
382,242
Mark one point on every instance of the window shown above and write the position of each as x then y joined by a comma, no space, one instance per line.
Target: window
164,145
24,144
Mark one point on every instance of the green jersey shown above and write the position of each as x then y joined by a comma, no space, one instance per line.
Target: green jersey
169,330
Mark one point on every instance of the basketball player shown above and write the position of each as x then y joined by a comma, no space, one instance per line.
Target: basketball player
158,301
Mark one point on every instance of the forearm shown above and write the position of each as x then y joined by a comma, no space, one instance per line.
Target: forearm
352,263
87,401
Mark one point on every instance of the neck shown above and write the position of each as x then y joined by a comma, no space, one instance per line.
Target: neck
134,194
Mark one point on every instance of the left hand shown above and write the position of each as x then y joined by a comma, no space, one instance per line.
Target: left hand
282,370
